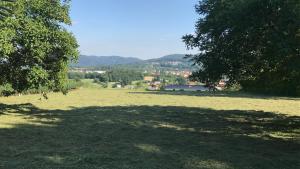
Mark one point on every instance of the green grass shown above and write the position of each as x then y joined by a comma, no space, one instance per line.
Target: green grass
93,128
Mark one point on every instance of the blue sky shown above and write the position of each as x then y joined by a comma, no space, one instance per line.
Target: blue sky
132,28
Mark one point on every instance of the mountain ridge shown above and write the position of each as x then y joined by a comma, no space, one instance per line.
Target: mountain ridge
90,61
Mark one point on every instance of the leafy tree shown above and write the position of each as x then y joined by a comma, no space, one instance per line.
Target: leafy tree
76,75
156,78
92,75
5,9
103,78
255,43
35,48
123,76
139,84
181,80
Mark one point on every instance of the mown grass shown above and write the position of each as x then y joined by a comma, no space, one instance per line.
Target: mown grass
121,129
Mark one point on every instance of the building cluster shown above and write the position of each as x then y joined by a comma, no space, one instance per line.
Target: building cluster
86,70
183,73
190,86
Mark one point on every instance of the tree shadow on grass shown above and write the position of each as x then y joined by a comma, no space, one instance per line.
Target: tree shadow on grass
149,137
18,107
218,94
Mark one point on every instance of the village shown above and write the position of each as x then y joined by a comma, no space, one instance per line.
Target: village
171,80
188,86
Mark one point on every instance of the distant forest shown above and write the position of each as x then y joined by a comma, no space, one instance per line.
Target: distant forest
169,62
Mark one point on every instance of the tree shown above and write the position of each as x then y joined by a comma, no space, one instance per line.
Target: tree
123,75
181,80
35,47
76,75
255,43
5,9
139,84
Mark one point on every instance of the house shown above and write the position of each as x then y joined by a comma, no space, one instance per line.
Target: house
119,86
86,70
221,85
96,71
154,85
192,83
148,78
157,83
186,88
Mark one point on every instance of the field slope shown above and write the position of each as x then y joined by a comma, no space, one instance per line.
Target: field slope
93,128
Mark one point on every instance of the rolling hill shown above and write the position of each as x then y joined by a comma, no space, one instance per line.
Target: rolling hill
93,61
89,61
169,58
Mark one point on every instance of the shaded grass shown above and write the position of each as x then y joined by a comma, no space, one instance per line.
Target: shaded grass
115,129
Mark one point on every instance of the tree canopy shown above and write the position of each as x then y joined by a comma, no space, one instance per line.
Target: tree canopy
255,43
35,46
5,9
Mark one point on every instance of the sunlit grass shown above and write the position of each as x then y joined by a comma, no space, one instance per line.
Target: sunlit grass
114,97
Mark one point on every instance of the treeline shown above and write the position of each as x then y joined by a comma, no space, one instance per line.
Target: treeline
122,76
253,43
171,79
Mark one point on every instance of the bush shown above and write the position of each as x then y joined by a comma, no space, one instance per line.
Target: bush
76,75
6,90
73,84
103,84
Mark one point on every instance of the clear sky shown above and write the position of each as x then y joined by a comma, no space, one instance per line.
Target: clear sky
132,28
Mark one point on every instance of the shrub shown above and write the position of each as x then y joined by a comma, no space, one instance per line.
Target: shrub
7,90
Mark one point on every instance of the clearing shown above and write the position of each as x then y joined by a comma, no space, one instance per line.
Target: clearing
126,129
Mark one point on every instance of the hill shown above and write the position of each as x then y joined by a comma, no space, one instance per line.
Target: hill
168,61
169,58
88,61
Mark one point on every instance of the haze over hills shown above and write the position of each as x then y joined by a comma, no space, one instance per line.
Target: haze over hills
88,61
91,61
169,58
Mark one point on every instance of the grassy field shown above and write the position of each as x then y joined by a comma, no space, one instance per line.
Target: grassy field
94,128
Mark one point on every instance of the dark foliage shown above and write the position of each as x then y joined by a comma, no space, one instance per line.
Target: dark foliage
254,43
35,47
7,90
123,76
5,8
